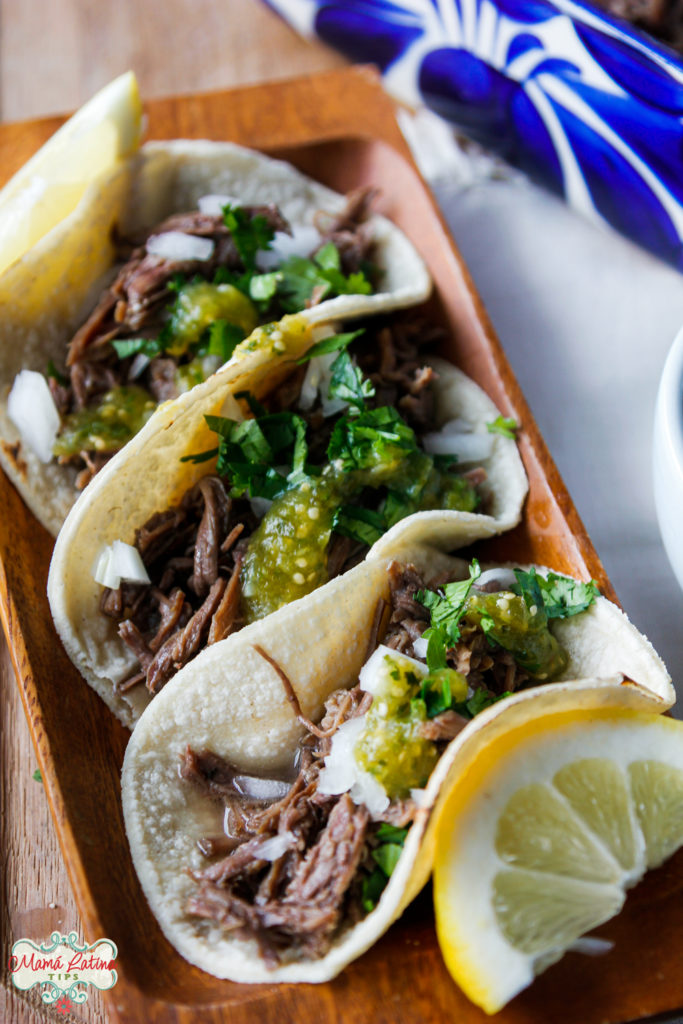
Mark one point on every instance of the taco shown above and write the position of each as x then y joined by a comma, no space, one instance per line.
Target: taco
260,485
147,287
278,795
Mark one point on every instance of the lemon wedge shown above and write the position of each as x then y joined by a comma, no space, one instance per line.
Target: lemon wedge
47,188
541,833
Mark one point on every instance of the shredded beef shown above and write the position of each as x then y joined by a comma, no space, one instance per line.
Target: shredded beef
484,665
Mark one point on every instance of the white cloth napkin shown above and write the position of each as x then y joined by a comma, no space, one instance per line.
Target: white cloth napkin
586,319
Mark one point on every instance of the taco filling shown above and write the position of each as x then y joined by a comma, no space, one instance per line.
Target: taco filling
187,292
301,489
301,859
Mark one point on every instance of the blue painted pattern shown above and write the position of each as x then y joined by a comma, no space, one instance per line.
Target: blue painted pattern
584,104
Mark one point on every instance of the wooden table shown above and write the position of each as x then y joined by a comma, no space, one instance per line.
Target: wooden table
175,47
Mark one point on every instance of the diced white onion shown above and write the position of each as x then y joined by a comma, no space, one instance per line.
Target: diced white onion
261,789
302,242
276,847
375,672
419,797
259,506
591,945
32,410
505,578
340,770
317,381
213,204
420,647
468,447
176,245
117,562
369,791
138,366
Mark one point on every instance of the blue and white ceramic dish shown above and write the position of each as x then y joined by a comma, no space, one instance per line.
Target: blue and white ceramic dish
587,105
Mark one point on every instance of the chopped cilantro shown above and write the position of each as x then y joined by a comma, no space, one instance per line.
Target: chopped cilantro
391,833
387,856
348,383
446,611
479,701
126,347
332,344
248,233
302,277
37,775
361,524
220,339
376,435
262,287
504,425
372,889
52,371
560,596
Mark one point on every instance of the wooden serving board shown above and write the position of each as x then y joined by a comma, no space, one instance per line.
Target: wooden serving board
340,128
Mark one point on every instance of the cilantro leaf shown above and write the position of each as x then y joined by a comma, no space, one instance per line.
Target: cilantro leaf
52,371
479,701
435,691
220,339
302,277
126,347
528,587
446,611
332,344
387,856
375,437
562,597
359,524
372,889
248,233
391,833
37,775
348,382
504,425
262,287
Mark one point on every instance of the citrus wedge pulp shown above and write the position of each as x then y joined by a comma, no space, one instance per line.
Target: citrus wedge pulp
540,835
48,188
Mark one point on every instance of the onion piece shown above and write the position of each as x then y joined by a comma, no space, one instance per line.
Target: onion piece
374,673
276,847
420,647
317,381
419,797
138,366
177,245
505,578
303,240
119,562
261,789
259,506
467,447
31,408
213,204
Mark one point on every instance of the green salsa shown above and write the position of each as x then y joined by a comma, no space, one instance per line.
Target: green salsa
286,555
390,746
198,305
520,629
108,425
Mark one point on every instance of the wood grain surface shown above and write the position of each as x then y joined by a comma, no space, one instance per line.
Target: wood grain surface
174,46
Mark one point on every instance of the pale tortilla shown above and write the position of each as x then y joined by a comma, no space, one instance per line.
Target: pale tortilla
147,477
48,293
230,701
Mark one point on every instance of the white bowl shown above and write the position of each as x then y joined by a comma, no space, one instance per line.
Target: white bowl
667,456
